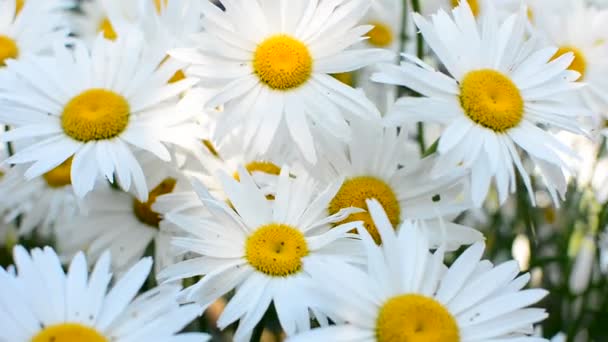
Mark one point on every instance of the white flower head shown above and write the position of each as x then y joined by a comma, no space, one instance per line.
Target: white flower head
263,249
408,294
43,303
378,164
498,91
270,61
97,106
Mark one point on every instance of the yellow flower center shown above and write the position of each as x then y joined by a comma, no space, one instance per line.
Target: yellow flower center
579,64
491,99
8,49
346,78
381,35
160,4
69,332
282,62
19,6
143,210
59,176
96,114
474,4
106,27
276,250
260,166
355,191
415,318
178,76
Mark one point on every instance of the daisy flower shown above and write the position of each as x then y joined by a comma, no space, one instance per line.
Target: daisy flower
42,303
105,16
117,221
95,106
407,294
499,90
271,60
262,249
29,27
42,202
581,31
378,165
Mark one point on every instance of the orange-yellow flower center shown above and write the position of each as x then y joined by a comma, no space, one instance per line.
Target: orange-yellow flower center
381,35
69,332
579,64
105,26
8,49
260,166
19,6
491,99
276,250
415,318
59,176
143,210
355,191
96,114
282,62
474,4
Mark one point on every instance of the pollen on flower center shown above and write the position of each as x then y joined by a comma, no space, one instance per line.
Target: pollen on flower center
474,4
69,332
96,114
381,35
491,99
276,250
282,62
143,210
106,27
260,166
415,318
579,64
8,49
59,176
355,191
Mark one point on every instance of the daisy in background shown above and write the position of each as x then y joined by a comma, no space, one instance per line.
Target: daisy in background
499,90
96,106
117,221
386,18
42,303
29,27
582,31
40,203
407,294
107,17
262,249
271,62
378,164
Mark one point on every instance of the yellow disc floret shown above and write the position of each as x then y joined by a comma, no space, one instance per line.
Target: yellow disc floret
106,27
96,114
8,49
143,210
474,4
415,318
59,176
381,35
579,64
282,62
355,191
491,99
260,166
160,5
276,250
19,6
69,332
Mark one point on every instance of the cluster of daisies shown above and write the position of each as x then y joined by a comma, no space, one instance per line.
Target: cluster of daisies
319,167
